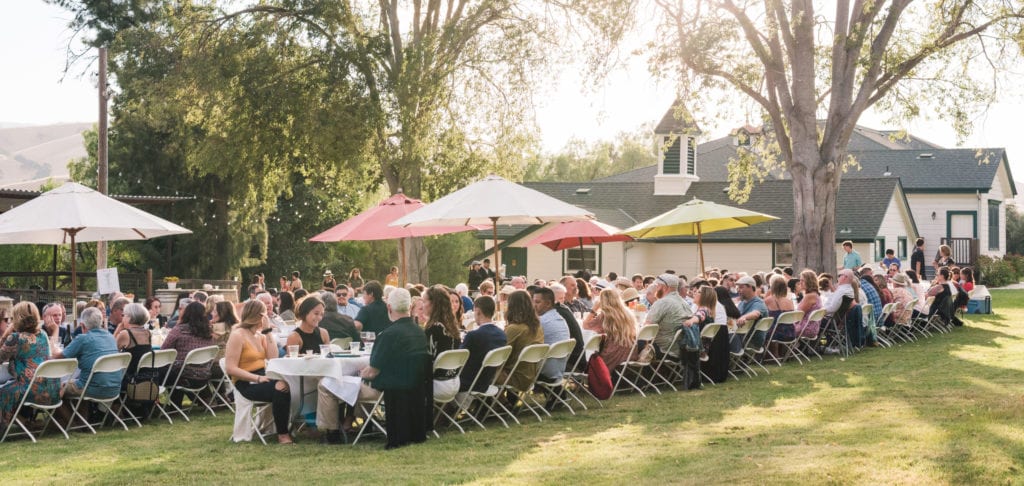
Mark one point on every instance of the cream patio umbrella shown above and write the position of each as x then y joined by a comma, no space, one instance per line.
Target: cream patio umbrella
73,213
694,218
491,201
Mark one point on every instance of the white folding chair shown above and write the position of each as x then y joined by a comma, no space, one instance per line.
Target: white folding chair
581,379
219,390
156,360
906,329
494,359
451,362
673,370
197,357
811,342
786,318
737,350
709,332
50,369
533,354
646,334
111,363
754,351
372,410
555,389
249,415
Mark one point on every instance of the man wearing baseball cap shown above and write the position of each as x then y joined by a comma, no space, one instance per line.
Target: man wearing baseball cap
751,306
668,313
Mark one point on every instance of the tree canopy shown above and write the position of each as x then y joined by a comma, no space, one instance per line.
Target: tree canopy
811,69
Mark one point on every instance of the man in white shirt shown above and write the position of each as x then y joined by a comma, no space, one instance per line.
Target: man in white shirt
341,294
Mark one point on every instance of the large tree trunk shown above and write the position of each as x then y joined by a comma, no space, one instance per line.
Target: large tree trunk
815,189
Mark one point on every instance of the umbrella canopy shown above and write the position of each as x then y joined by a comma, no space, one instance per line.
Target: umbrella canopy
578,233
373,224
494,200
74,213
695,218
47,219
490,201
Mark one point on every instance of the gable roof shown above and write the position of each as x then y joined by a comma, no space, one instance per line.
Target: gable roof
920,165
677,120
863,203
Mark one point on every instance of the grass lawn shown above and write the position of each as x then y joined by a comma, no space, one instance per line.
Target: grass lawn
946,410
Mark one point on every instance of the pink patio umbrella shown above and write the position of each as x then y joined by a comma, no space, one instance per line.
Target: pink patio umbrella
564,236
372,224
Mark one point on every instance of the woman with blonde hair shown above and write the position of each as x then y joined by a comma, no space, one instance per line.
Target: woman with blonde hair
245,358
811,301
612,319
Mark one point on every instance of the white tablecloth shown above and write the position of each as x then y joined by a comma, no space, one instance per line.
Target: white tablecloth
303,374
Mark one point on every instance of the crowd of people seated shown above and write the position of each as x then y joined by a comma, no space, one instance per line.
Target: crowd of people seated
416,324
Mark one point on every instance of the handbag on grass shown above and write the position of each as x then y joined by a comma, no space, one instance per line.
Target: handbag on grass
143,387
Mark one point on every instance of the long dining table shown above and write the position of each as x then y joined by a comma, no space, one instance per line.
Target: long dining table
341,375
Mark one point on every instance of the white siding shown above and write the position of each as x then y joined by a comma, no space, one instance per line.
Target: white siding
655,258
933,230
895,225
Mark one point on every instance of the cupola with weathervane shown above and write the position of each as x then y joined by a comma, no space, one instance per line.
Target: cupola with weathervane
677,161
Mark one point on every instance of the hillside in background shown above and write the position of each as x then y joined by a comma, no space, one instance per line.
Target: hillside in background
37,153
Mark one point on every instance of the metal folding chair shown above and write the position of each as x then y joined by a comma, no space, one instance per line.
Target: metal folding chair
111,363
755,351
50,369
161,358
811,342
646,334
532,354
451,362
197,357
495,358
581,379
786,318
556,389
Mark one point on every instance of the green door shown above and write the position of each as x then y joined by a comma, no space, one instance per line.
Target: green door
514,260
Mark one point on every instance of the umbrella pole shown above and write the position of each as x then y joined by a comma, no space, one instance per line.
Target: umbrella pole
700,247
403,263
74,275
497,254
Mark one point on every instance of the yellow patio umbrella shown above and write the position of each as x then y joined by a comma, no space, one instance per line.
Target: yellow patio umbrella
694,218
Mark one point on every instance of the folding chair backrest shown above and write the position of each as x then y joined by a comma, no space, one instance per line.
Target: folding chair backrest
159,359
493,359
561,349
56,368
201,356
817,315
791,317
764,324
452,359
343,343
745,328
869,313
112,362
593,343
710,330
534,353
647,333
762,327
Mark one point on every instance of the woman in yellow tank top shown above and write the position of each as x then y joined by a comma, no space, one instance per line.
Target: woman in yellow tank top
245,356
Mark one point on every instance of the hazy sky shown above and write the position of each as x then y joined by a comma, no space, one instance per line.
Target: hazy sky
33,36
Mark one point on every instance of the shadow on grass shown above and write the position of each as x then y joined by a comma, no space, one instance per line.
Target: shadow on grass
945,409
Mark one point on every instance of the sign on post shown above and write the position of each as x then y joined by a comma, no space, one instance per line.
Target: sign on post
106,281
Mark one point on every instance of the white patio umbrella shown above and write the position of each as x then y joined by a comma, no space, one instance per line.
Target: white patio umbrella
73,213
490,201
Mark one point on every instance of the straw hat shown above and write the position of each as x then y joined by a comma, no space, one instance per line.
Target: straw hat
507,289
900,279
327,273
630,294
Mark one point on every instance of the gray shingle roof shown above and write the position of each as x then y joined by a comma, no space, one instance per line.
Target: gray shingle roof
862,201
677,120
920,166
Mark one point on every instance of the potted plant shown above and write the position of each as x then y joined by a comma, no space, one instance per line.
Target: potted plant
172,282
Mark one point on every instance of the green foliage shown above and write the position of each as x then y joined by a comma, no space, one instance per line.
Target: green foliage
996,272
1014,230
454,249
584,161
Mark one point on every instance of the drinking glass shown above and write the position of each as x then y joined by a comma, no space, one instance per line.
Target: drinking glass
293,350
325,350
354,347
371,337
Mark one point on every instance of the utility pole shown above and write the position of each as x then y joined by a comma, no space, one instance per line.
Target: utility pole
101,152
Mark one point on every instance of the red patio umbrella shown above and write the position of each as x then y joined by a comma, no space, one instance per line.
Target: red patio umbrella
372,224
575,234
